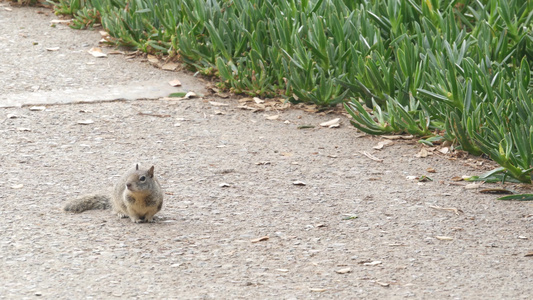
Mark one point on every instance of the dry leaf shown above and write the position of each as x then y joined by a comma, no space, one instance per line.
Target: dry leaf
317,290
398,137
453,209
384,284
371,156
175,82
382,144
17,186
374,263
474,186
153,59
103,33
60,21
423,153
529,254
331,123
96,52
115,52
52,48
260,239
457,178
496,191
218,103
444,150
170,66
85,122
218,112
273,117
298,182
37,108
522,237
431,170
258,101
444,238
343,271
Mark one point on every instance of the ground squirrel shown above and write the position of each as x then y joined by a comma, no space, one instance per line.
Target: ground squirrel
137,195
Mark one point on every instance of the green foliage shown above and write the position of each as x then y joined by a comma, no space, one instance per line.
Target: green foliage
460,66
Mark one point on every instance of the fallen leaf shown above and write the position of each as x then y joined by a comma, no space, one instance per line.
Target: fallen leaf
444,238
260,239
37,108
444,150
334,122
343,271
214,103
103,33
273,117
12,116
171,66
317,290
384,284
60,21
85,122
52,48
398,137
218,112
115,52
175,82
453,209
372,157
258,101
374,263
457,178
529,254
96,52
298,182
153,59
17,186
382,144
423,153
496,191
473,186
424,178
431,170
522,237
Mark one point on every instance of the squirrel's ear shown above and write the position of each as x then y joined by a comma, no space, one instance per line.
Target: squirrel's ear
151,171
137,167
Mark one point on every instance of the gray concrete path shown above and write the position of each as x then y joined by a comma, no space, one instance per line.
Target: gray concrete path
31,73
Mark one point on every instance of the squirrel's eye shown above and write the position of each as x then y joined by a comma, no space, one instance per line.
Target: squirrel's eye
142,178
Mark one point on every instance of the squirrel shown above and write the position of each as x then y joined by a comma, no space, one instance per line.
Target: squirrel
136,195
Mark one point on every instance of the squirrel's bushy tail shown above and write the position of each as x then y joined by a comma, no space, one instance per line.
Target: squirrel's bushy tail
88,202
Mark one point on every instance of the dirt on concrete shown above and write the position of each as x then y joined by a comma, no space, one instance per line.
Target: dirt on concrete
255,206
